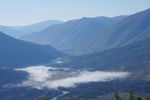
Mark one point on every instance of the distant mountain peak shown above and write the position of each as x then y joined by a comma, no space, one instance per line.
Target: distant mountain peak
19,31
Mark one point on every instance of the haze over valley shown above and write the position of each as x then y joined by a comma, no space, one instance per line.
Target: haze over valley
75,50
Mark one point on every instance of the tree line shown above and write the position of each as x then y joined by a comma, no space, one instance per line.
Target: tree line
131,97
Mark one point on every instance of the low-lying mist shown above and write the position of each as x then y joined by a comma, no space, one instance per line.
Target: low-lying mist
53,78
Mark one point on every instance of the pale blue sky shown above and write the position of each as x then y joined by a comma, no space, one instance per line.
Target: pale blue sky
23,12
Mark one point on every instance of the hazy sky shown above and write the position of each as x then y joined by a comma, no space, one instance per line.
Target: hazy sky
23,12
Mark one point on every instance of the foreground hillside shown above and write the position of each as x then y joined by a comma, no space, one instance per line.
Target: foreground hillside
15,52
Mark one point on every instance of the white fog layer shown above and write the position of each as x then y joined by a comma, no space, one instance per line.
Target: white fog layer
53,78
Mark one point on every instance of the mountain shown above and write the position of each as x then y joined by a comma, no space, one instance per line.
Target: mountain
132,28
134,58
14,53
28,29
98,90
19,31
10,31
70,34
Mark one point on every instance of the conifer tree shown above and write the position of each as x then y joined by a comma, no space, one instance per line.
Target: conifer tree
148,97
117,96
125,97
131,97
44,98
138,98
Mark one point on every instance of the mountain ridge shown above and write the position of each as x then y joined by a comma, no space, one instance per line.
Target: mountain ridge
72,33
19,31
134,58
15,53
132,28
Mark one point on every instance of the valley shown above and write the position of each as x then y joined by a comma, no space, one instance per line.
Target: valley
78,56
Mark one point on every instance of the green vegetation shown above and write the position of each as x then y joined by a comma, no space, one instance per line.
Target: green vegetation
131,97
44,98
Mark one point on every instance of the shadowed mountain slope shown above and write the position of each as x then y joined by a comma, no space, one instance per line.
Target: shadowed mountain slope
15,52
132,28
70,34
